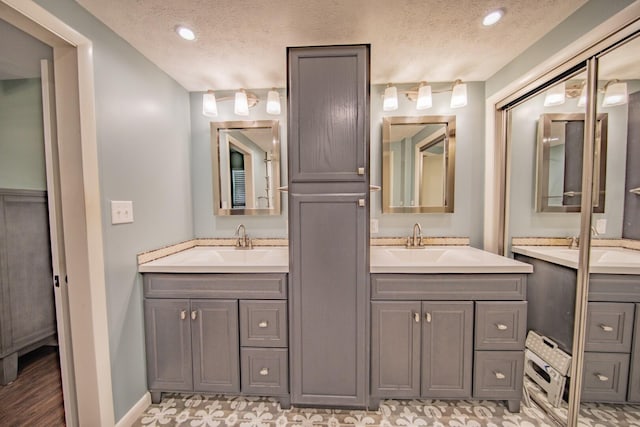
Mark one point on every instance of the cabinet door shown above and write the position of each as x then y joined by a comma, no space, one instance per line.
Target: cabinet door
395,349
214,337
634,375
447,349
329,271
168,340
328,113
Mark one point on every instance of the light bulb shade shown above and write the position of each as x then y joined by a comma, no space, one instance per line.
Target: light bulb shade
459,95
273,102
582,100
241,107
390,102
424,98
615,94
209,106
555,95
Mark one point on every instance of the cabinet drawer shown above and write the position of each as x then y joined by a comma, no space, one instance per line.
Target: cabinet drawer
498,374
501,325
605,377
263,323
609,327
265,371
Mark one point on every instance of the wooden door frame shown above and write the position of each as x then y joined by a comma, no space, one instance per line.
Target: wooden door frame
80,203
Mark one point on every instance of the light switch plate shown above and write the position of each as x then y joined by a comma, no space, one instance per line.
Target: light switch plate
601,225
121,212
373,225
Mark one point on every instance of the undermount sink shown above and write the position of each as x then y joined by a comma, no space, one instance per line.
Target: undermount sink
222,259
441,259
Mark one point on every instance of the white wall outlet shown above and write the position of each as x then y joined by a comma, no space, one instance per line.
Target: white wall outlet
121,212
601,225
373,225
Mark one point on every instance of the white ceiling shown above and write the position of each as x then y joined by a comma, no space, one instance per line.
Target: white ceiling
242,43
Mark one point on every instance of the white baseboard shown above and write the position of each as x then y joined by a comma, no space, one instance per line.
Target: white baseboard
135,411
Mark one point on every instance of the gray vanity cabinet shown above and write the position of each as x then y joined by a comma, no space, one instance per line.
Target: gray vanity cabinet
448,336
328,129
192,345
447,349
217,333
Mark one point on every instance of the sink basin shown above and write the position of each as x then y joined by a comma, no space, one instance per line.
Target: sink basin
442,259
222,259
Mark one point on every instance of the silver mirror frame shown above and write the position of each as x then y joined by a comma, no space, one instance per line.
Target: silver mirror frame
216,127
450,150
543,155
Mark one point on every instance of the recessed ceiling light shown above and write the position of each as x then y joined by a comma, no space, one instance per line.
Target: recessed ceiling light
185,32
493,17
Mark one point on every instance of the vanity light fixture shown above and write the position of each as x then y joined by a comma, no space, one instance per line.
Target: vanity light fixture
273,102
243,100
555,95
209,105
615,93
425,100
186,33
390,102
493,17
459,94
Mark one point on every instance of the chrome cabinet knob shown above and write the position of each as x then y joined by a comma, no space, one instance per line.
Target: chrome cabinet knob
602,378
416,317
194,315
183,314
427,317
502,327
499,375
264,372
263,324
606,328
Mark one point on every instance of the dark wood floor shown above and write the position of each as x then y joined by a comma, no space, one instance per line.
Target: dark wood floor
35,397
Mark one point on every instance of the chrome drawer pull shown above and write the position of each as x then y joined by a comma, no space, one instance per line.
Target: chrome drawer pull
264,372
602,377
606,328
183,314
263,324
416,317
501,327
500,375
194,314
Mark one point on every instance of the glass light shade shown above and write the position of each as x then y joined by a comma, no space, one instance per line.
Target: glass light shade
424,98
390,102
241,107
555,95
582,100
459,95
615,94
273,102
209,106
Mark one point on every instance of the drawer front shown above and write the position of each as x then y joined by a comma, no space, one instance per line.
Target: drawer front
501,325
609,327
265,371
215,285
605,377
263,323
498,374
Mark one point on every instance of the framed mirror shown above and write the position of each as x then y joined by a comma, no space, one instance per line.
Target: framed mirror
559,163
418,164
246,167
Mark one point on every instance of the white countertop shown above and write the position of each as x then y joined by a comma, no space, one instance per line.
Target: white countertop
603,259
442,259
222,259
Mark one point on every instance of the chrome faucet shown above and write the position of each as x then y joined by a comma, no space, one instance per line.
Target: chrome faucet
574,242
243,241
416,241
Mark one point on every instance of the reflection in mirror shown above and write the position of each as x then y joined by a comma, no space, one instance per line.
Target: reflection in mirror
559,163
246,167
418,164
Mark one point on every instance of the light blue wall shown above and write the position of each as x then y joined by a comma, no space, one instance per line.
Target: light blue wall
205,222
467,218
22,163
143,134
575,26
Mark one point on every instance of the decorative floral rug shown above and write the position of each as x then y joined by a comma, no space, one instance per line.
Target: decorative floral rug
196,410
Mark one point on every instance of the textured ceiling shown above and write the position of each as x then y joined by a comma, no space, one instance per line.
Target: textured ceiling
242,43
